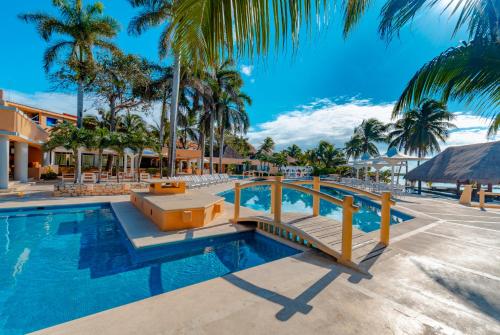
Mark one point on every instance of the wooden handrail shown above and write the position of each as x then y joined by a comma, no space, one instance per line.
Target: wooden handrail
257,183
320,195
347,204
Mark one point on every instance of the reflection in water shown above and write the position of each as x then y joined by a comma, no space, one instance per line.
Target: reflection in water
366,219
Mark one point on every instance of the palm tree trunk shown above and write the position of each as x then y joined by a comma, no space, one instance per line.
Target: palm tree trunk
211,145
99,159
201,164
163,117
118,168
174,105
79,105
221,144
78,166
138,164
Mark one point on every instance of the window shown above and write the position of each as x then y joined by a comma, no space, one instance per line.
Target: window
51,122
64,159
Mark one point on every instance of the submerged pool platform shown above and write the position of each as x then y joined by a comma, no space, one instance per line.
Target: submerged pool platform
100,268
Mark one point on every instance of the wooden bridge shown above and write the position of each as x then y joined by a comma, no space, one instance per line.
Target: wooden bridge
340,240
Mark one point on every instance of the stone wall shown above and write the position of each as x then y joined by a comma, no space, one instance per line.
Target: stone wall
75,190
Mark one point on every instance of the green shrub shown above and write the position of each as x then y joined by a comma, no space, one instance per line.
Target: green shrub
51,175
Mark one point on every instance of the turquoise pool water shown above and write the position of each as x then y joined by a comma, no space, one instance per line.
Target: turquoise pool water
366,219
61,263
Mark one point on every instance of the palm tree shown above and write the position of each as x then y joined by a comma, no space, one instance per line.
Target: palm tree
71,138
294,151
469,72
328,155
371,131
354,147
156,13
420,129
266,150
138,137
233,118
225,83
85,29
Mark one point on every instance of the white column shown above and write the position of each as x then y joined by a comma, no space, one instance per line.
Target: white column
21,161
4,162
52,157
392,176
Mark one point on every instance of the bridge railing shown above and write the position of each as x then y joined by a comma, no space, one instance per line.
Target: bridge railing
277,185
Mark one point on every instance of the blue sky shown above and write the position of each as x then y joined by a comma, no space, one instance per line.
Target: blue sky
322,91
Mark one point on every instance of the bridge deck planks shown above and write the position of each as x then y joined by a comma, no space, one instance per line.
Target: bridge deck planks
325,234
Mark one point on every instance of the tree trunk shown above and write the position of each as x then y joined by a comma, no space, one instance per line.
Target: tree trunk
211,144
79,105
138,164
174,105
201,164
118,168
99,159
112,114
221,145
78,165
163,117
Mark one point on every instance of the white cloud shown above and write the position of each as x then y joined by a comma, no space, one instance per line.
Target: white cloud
247,70
335,121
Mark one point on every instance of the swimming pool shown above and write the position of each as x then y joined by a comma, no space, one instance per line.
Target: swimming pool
366,219
61,263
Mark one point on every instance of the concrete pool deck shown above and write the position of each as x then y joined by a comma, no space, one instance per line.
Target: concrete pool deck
441,275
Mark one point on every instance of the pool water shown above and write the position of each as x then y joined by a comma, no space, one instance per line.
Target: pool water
366,219
61,263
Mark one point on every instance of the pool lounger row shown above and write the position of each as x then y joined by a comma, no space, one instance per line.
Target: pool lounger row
201,181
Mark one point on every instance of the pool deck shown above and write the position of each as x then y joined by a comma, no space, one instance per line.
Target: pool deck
441,275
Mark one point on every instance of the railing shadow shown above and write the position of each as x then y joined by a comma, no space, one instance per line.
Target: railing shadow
301,303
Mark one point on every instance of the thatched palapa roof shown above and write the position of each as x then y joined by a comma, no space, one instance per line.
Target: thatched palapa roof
475,162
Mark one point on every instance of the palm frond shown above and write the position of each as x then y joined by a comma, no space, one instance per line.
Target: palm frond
469,73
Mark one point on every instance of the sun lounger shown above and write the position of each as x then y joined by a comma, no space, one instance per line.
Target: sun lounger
88,177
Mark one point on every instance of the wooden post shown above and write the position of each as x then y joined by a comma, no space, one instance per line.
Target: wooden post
316,187
347,228
273,191
278,199
481,198
237,192
385,218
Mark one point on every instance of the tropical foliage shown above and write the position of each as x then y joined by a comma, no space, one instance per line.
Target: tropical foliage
469,72
420,129
74,36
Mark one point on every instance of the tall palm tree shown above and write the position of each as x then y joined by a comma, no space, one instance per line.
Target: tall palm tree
420,129
157,13
266,150
233,118
371,131
83,29
225,83
469,72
